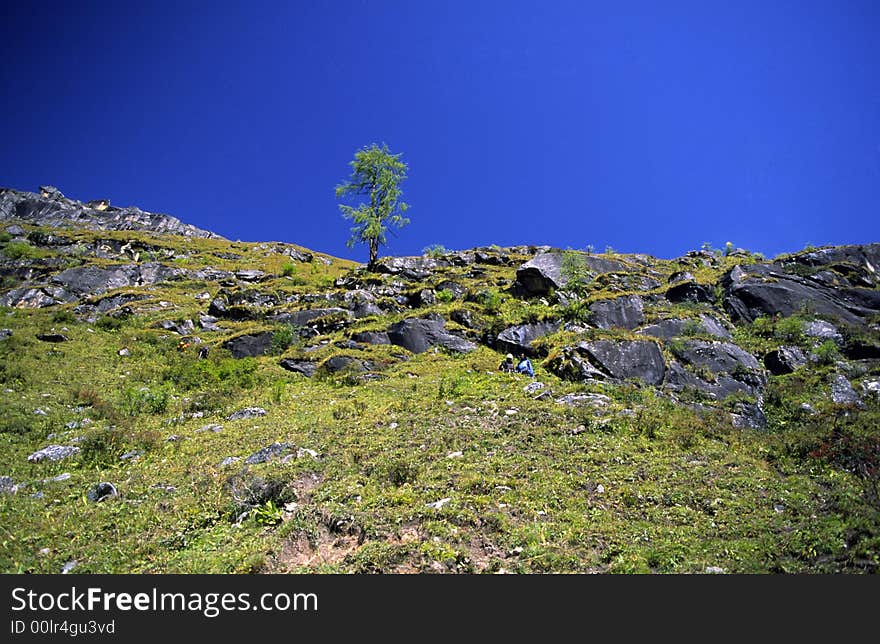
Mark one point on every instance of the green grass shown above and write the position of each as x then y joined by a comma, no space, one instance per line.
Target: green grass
642,485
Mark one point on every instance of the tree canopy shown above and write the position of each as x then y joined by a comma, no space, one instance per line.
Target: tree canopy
376,174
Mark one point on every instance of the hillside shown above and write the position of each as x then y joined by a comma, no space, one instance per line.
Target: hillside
177,402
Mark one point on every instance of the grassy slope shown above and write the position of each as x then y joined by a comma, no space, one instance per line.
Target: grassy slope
679,492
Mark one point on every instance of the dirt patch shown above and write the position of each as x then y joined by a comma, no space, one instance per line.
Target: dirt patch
323,548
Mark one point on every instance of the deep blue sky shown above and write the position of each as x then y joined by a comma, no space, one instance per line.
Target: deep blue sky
647,126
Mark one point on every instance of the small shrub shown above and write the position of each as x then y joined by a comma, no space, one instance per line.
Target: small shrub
827,352
491,300
63,317
609,250
728,248
434,250
289,269
575,271
268,513
103,446
282,339
4,237
790,329
136,401
21,250
12,374
445,295
399,471
763,326
19,422
110,323
691,327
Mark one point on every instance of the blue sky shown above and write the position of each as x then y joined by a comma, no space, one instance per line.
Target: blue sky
646,126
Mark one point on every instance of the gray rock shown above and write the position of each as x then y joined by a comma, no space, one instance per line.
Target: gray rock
249,346
305,317
34,298
689,292
681,276
51,208
247,412
677,327
15,230
519,339
70,565
618,360
305,367
345,363
250,275
625,312
760,290
784,360
717,357
267,453
823,330
208,323
413,268
53,453
52,337
229,460
577,400
544,271
132,455
748,416
101,492
58,479
842,392
424,297
465,317
371,337
871,388
7,485
458,291
213,428
5,333
420,334
532,387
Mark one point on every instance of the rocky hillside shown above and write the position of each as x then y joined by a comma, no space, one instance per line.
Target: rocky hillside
177,402
51,208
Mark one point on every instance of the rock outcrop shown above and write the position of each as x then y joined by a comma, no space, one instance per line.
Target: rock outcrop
51,208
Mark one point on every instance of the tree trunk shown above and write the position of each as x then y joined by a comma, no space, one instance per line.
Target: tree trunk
374,253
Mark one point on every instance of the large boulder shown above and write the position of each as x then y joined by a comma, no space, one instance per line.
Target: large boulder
413,268
689,292
611,359
420,334
35,298
784,360
371,337
305,367
758,290
676,327
346,363
855,264
92,279
544,271
518,339
718,387
625,312
250,346
307,316
717,357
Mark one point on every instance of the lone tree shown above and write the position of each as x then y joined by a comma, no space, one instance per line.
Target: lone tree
375,173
